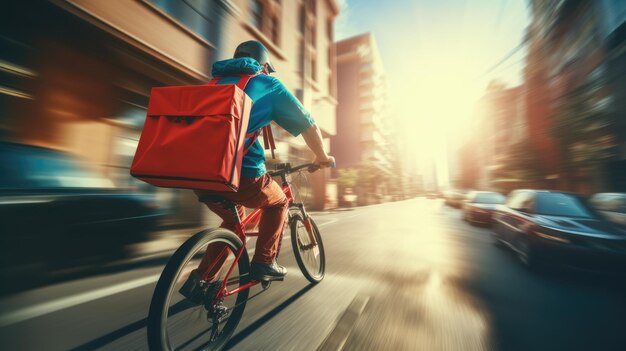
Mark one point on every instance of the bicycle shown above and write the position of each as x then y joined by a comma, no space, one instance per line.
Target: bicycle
221,299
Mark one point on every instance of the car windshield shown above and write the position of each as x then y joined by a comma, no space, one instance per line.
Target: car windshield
41,168
558,204
489,198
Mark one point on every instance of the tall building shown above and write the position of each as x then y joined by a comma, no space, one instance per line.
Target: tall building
575,78
499,125
361,101
76,74
361,111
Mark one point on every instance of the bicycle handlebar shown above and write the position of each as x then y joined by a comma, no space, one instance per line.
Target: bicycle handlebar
285,168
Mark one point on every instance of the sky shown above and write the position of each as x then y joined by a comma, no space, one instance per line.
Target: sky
439,57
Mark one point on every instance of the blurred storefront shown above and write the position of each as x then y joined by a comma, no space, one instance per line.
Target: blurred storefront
93,65
76,74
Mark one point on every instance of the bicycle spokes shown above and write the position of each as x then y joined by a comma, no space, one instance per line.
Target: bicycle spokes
307,247
195,299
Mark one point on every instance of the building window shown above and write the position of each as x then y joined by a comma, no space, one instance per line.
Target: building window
330,85
301,59
313,6
197,15
330,57
329,30
313,68
256,11
302,19
312,36
275,30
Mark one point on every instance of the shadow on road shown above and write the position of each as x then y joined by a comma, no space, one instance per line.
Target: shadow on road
556,308
236,339
240,336
44,278
108,338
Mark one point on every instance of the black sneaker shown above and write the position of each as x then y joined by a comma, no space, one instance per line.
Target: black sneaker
267,272
194,288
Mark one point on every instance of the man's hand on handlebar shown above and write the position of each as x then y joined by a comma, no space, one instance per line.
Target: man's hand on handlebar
329,161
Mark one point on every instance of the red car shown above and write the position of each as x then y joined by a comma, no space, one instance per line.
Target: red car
479,206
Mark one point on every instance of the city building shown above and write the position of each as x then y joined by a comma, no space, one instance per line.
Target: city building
362,132
499,125
575,78
76,74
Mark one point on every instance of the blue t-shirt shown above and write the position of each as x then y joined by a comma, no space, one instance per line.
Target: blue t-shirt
272,102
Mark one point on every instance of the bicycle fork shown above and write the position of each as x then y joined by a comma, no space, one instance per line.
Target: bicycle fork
306,220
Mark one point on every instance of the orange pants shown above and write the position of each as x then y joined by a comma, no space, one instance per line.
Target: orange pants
261,192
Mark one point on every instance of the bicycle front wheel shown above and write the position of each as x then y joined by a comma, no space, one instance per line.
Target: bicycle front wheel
199,321
308,249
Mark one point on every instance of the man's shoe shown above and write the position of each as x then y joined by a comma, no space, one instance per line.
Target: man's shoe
267,272
194,288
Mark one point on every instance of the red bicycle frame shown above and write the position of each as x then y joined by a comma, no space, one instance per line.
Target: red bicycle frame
253,219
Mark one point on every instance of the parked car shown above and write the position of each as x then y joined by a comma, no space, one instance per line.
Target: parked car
541,226
58,214
611,205
454,198
479,206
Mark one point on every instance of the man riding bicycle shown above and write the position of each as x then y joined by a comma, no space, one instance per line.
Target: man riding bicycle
272,102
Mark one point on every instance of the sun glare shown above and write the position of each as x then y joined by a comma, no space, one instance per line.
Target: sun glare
436,112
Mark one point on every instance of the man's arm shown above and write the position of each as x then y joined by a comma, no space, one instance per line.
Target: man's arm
289,113
313,139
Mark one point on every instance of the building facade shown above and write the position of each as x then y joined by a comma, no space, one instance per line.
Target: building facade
362,98
362,129
499,126
575,77
77,74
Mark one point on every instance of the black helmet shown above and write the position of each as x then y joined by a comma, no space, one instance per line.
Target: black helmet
257,51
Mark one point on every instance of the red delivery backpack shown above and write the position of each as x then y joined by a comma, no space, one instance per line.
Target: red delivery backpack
194,136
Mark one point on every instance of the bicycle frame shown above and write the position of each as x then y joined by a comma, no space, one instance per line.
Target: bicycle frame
253,218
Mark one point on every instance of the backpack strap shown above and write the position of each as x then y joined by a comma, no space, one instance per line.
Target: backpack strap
254,136
268,139
243,80
268,136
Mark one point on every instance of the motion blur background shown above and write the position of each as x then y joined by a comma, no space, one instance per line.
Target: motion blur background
412,97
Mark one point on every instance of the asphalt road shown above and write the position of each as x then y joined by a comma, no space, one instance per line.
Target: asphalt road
408,275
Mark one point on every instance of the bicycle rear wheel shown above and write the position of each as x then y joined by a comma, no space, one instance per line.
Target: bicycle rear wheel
309,253
178,323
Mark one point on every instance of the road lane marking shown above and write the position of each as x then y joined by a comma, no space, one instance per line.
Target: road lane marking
74,300
41,309
337,338
329,222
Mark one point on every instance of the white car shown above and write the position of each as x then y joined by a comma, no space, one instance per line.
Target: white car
610,205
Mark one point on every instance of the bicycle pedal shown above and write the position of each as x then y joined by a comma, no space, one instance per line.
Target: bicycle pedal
266,284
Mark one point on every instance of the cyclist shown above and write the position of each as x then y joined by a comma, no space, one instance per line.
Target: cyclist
272,102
